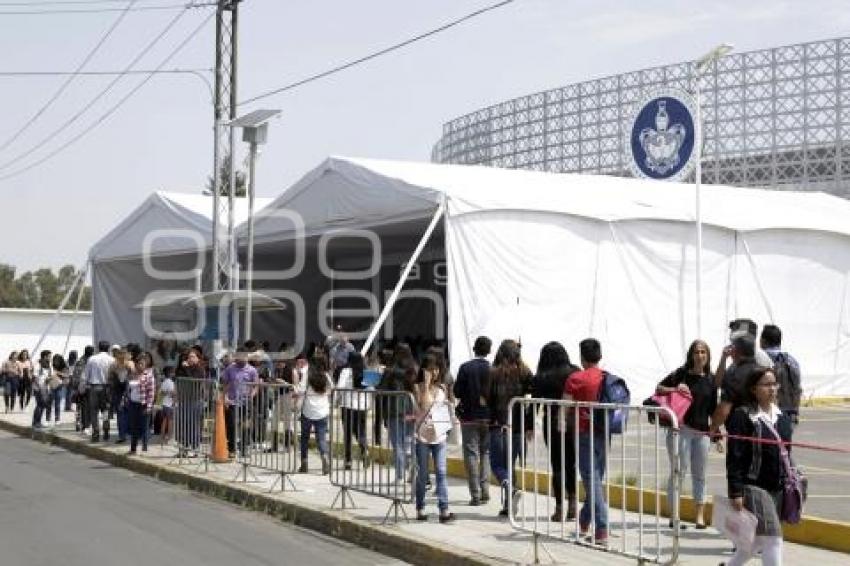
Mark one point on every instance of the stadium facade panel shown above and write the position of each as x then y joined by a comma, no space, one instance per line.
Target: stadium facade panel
771,118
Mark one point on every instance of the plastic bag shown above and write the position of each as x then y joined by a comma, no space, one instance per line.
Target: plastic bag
737,526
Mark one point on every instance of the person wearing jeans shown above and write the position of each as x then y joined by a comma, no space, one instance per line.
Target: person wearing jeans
584,386
240,386
431,434
140,394
695,380
315,392
508,378
474,414
592,471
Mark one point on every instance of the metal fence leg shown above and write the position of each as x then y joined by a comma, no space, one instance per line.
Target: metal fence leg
341,496
283,479
395,506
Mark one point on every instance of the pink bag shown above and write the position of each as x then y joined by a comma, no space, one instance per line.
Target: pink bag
678,401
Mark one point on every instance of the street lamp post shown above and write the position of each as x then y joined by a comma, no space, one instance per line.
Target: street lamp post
701,64
254,131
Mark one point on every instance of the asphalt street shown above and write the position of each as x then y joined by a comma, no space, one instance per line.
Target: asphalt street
58,508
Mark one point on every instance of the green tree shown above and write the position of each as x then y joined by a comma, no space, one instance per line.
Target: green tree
40,289
224,173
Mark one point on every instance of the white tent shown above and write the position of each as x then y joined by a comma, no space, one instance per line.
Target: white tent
542,256
156,250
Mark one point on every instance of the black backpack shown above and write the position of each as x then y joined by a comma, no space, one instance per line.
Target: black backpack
788,378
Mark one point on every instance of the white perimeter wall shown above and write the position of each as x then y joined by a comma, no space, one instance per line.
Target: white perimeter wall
21,329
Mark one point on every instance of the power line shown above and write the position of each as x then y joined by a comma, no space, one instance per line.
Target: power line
70,79
61,11
98,73
113,109
100,95
377,54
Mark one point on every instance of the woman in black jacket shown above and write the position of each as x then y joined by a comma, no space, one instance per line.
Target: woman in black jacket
508,378
754,470
553,370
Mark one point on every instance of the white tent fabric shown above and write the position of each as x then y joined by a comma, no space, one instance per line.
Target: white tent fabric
176,229
541,256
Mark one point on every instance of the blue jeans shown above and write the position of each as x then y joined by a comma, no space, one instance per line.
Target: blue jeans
438,452
56,397
40,405
593,483
138,421
499,463
693,452
401,440
321,426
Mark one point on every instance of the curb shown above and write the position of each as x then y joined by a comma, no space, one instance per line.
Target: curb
384,540
811,531
826,401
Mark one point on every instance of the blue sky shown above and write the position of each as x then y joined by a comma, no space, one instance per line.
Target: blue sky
392,107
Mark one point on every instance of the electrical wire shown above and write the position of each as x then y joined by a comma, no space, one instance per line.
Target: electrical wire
113,109
99,73
97,98
70,79
377,54
65,11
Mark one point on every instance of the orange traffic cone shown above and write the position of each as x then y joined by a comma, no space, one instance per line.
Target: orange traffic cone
219,447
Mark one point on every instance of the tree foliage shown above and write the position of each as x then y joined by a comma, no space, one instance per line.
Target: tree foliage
40,289
224,172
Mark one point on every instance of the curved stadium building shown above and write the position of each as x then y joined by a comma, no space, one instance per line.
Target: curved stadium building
775,118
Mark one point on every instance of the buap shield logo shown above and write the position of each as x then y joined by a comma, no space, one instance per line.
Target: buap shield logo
661,133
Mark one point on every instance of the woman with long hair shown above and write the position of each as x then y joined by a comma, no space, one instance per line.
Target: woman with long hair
395,409
41,390
119,374
315,392
754,469
553,370
139,400
432,400
26,371
355,403
12,373
509,378
58,386
695,379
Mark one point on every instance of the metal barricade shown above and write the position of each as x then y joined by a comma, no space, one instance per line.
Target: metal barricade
545,440
372,446
261,431
194,420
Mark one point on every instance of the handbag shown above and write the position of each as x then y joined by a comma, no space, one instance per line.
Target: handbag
677,401
794,485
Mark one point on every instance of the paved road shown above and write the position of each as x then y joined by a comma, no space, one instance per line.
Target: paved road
58,508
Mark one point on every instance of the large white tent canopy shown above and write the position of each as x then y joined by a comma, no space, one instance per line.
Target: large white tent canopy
154,252
541,256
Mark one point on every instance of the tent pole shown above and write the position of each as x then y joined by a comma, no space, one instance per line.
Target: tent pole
401,281
758,280
73,319
61,308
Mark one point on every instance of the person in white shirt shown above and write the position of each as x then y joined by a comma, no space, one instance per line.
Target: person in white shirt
432,429
355,402
315,393
166,391
41,390
95,377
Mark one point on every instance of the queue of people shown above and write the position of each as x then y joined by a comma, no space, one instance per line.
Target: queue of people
754,393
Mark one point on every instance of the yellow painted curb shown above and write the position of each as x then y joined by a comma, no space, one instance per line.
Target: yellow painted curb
826,401
811,531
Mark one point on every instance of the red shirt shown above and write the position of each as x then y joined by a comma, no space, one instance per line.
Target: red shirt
584,386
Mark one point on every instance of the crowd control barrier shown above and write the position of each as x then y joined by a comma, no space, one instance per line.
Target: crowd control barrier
372,446
194,420
626,450
261,425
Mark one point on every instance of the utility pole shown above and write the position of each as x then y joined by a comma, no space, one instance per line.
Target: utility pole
224,245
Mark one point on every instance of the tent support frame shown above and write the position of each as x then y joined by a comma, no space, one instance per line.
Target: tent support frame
382,318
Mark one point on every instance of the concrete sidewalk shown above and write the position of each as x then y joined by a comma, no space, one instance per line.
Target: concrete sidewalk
478,536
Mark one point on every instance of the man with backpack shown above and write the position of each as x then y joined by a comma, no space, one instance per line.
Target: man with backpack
588,385
787,372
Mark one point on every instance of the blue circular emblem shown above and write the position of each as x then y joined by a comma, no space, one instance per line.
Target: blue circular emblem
661,135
